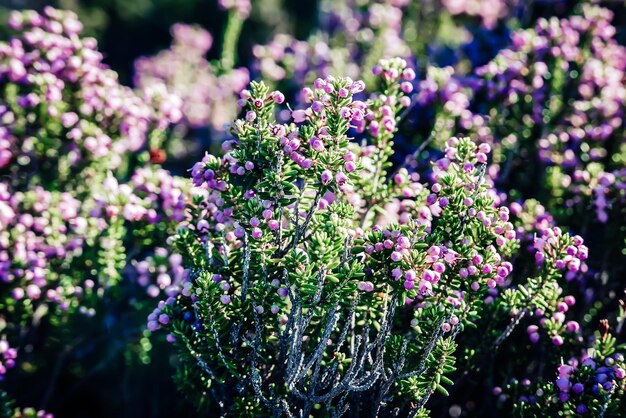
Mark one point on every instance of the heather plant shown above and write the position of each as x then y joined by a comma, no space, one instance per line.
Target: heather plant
588,384
67,124
589,378
307,270
551,107
553,322
160,271
297,302
79,198
64,112
516,104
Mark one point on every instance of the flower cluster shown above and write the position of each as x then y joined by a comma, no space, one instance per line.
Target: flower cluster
589,375
514,103
559,250
384,111
7,357
42,232
331,102
151,195
555,323
45,69
434,205
208,96
530,218
584,386
161,271
489,11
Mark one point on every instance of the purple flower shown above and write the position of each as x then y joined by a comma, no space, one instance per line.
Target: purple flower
366,286
278,97
257,233
327,177
396,256
341,178
298,116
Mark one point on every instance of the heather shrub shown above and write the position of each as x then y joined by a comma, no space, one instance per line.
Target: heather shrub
68,126
79,198
566,150
298,303
516,103
64,112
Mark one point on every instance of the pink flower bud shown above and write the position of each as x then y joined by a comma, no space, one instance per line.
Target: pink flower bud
278,97
396,256
327,177
406,87
341,178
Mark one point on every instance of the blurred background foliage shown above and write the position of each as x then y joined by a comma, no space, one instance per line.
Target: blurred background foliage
128,29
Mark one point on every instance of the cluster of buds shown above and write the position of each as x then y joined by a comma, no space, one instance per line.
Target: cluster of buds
7,357
57,85
560,251
555,323
161,272
208,98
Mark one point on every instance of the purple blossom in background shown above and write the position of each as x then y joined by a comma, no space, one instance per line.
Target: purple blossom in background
48,65
490,11
209,97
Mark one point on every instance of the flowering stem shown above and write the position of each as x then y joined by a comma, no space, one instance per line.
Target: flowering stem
231,38
479,180
246,267
301,230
